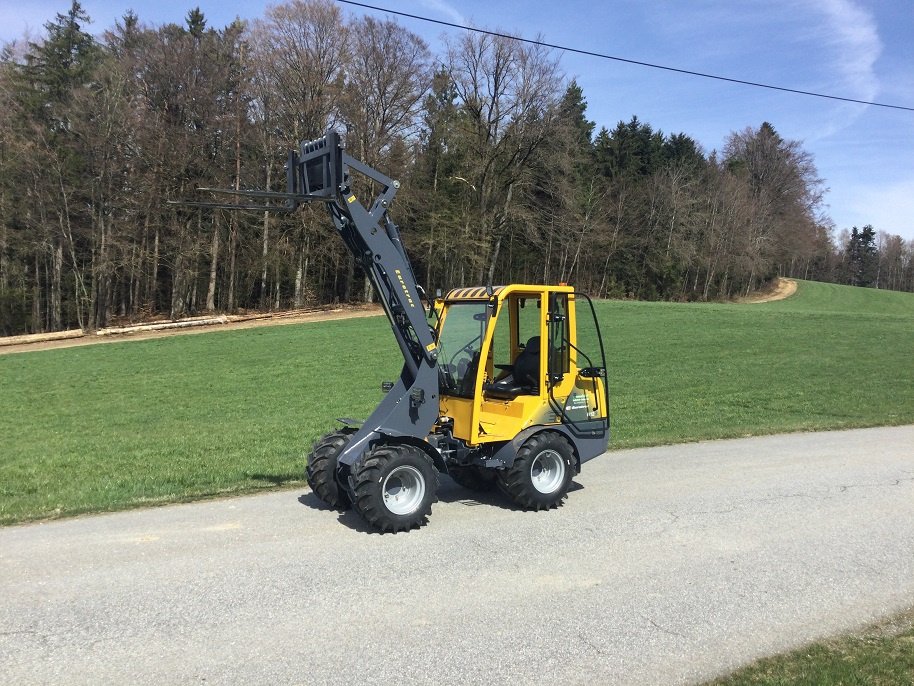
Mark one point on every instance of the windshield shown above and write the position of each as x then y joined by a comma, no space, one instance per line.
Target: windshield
459,339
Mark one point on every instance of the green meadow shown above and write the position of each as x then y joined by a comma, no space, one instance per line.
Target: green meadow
113,426
880,655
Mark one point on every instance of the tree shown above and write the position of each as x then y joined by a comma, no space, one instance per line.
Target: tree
862,257
300,53
786,185
61,62
891,250
57,215
388,75
433,206
567,211
387,78
508,94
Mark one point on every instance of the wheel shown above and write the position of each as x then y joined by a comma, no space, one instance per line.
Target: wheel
394,487
473,477
541,473
321,469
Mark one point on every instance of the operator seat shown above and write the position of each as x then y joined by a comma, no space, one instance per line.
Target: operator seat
524,376
527,366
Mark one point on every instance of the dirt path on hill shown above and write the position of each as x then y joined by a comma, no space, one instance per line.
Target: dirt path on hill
784,288
70,339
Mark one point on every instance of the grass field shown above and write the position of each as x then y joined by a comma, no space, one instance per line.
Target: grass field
829,357
881,655
113,426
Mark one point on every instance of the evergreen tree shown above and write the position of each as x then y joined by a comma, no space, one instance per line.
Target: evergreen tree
196,23
862,256
64,60
680,149
631,150
573,112
54,170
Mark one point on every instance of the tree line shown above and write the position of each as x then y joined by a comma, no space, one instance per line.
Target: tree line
504,179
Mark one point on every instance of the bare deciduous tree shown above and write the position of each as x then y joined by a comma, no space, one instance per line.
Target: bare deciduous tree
510,92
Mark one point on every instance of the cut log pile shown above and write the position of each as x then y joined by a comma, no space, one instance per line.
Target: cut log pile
160,325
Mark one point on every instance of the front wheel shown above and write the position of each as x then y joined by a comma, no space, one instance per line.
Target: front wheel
394,487
541,474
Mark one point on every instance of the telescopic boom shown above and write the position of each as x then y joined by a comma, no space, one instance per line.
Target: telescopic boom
320,171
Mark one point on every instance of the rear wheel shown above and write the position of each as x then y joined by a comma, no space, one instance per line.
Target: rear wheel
541,473
395,486
321,469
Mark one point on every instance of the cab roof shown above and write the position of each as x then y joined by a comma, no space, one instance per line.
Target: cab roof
479,292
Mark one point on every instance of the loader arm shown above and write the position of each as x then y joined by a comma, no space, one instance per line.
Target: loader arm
320,172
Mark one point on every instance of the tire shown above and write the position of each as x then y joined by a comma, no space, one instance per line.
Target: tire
541,474
394,487
321,469
473,477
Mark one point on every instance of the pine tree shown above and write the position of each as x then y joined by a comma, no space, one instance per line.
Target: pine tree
63,61
196,23
862,256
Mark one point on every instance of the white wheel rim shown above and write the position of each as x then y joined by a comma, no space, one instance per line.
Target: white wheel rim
403,490
547,471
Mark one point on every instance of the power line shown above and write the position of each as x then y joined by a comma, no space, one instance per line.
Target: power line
625,60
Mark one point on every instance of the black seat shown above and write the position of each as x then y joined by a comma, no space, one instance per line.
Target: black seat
527,366
524,377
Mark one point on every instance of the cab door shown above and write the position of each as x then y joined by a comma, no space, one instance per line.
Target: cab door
578,392
512,388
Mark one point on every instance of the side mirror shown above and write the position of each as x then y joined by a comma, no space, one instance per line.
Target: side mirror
435,306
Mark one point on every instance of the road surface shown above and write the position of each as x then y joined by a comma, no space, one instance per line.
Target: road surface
666,565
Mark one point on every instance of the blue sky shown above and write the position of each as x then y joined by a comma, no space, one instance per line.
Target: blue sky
850,48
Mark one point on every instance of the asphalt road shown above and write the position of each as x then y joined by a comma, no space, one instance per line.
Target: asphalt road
666,566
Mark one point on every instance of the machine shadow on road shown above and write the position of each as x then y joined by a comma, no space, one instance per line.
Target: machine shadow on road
448,492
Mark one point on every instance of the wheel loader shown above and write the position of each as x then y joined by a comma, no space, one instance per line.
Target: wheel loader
501,386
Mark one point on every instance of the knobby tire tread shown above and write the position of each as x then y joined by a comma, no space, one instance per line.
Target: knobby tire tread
515,481
321,470
368,499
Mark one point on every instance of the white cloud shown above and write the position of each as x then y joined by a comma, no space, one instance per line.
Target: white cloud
850,36
854,39
442,7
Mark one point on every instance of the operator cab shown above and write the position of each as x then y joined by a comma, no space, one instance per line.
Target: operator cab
520,356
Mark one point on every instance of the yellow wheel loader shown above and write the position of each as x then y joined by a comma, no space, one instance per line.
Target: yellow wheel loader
506,388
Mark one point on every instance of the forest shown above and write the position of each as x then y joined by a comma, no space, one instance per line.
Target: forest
504,178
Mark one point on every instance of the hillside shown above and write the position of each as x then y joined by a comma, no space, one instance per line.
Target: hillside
114,426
